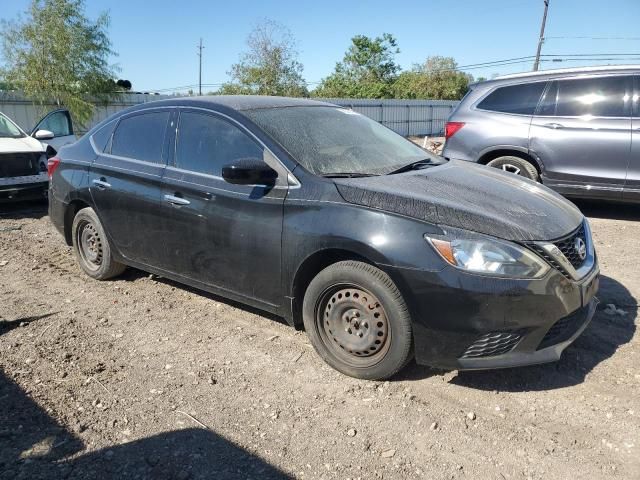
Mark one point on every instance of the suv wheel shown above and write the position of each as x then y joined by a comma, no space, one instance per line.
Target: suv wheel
357,320
516,165
91,246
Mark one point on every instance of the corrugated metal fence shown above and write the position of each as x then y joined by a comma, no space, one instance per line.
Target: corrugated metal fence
407,117
26,114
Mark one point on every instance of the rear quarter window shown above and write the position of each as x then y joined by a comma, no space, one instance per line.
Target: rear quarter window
519,99
102,136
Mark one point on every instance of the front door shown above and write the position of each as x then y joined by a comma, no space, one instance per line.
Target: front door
632,185
223,235
582,134
125,182
59,123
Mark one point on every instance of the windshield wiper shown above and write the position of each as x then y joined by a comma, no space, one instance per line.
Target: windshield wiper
349,175
414,166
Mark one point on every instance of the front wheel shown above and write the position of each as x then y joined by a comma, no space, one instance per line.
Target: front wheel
357,320
91,246
516,165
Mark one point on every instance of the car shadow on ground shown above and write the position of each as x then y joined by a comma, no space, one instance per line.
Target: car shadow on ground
34,445
600,341
7,325
609,210
24,209
133,274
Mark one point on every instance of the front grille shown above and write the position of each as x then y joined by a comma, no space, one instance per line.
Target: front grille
19,164
491,344
567,245
568,248
564,329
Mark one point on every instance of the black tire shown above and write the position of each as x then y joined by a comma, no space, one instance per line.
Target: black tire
516,165
368,333
91,246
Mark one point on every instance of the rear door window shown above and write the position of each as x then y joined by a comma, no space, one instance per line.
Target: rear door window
520,99
598,97
141,137
206,143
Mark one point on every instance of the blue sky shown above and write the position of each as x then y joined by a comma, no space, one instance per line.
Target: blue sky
156,39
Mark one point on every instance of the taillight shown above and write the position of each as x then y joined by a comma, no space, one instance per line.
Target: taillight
451,128
52,164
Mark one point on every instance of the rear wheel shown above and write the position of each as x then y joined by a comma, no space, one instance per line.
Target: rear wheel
357,320
91,246
516,165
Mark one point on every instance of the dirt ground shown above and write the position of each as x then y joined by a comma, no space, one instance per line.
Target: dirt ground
143,378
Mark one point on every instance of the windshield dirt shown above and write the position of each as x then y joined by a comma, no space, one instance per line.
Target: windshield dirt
336,141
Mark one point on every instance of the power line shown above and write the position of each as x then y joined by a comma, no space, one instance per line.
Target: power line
546,58
593,38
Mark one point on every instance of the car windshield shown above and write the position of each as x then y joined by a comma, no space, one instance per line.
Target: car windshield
8,129
333,141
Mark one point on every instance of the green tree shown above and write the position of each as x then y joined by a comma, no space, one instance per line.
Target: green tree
368,70
57,54
436,78
270,66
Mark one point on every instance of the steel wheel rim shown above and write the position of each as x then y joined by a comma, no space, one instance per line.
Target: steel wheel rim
509,167
353,325
89,245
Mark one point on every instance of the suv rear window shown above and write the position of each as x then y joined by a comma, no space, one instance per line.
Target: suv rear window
141,137
521,99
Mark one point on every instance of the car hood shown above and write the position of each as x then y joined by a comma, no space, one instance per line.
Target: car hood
468,196
20,145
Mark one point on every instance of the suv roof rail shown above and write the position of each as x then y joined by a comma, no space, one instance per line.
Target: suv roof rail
599,68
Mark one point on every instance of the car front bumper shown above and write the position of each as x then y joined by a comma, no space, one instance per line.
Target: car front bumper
26,187
465,322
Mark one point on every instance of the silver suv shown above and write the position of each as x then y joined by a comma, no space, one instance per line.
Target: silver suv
575,130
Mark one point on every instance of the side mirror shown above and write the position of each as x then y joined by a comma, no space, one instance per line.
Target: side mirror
43,135
249,171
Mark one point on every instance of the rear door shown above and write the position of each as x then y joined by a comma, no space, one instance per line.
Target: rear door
125,183
582,134
60,124
632,185
223,235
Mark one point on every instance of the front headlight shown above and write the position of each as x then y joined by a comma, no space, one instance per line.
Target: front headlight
487,255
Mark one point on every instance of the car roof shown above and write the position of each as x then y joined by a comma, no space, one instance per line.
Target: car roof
562,72
241,102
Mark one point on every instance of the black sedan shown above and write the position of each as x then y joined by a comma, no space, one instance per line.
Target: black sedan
380,250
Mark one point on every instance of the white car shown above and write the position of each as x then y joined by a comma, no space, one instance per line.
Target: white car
23,158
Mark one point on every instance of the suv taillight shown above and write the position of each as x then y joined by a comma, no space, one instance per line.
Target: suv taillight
52,164
451,128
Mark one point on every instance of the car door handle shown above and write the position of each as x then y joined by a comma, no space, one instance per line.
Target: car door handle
555,126
101,184
176,200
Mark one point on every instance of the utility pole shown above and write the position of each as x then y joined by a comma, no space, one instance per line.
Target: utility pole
541,39
200,47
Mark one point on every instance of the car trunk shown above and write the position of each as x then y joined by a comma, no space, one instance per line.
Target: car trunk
20,164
